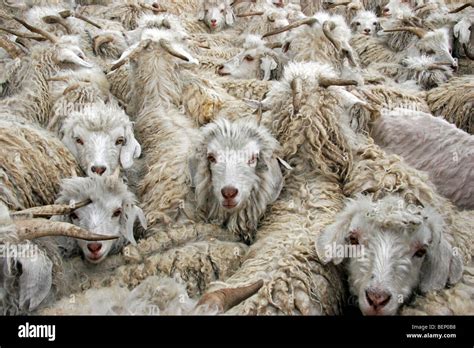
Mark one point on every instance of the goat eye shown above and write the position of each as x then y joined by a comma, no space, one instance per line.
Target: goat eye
211,158
420,252
73,216
374,23
248,58
222,11
117,212
79,141
120,141
430,52
357,23
253,160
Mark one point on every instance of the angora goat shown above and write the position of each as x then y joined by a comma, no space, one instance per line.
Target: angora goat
112,212
401,248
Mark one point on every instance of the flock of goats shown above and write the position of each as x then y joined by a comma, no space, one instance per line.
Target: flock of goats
239,157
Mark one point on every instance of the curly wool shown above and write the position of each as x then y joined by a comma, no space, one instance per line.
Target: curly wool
454,101
33,164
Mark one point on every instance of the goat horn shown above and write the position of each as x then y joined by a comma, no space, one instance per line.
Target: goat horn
99,40
297,91
36,228
165,44
11,48
273,45
249,14
23,35
308,21
57,20
331,5
50,210
328,27
227,298
33,29
144,44
420,32
69,13
326,82
459,9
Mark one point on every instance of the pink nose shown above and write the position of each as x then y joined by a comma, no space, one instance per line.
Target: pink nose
377,298
94,247
229,192
213,21
98,169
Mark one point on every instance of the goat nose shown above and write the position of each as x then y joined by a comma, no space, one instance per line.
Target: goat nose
367,30
213,21
377,298
94,247
229,192
98,169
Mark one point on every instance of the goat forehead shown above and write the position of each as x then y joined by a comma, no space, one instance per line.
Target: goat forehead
233,146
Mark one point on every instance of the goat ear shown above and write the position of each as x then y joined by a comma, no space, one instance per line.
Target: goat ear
201,15
130,150
132,212
35,281
334,235
442,265
229,17
68,56
267,65
67,139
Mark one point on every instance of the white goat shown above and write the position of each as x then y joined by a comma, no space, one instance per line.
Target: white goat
101,138
112,213
366,23
257,61
217,14
401,248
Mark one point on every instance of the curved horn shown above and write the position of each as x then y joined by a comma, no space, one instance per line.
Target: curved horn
69,13
328,27
459,9
142,45
273,45
50,210
23,35
249,14
99,40
37,228
13,50
326,82
57,20
165,44
297,91
33,29
227,298
308,21
420,32
331,5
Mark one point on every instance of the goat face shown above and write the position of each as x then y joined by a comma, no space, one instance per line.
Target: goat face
217,15
100,143
235,161
436,44
365,23
111,213
68,55
391,250
256,63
